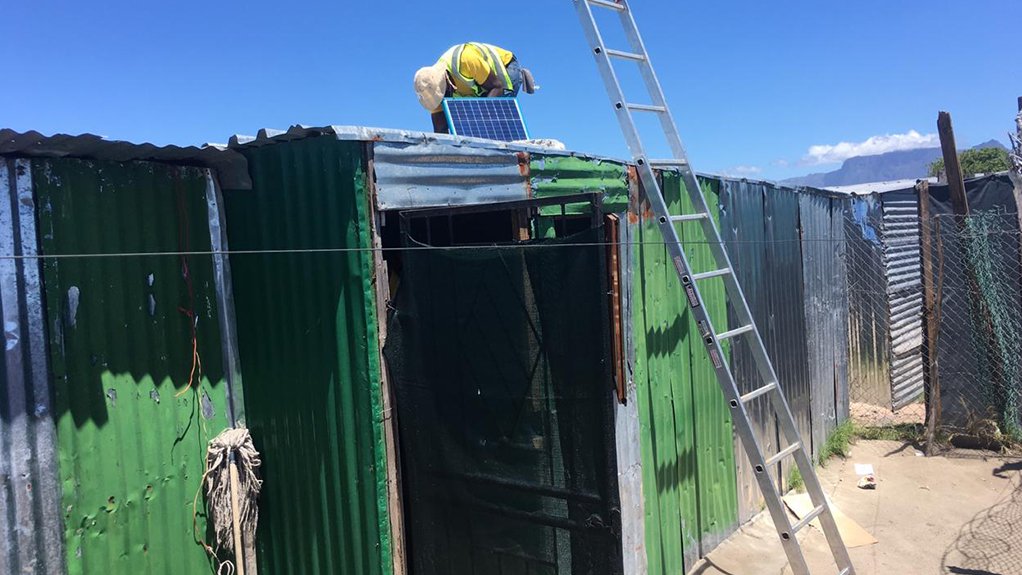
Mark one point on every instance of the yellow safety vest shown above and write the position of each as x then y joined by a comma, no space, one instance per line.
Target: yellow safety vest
457,58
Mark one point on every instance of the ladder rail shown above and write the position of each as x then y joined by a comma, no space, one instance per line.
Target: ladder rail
712,339
652,82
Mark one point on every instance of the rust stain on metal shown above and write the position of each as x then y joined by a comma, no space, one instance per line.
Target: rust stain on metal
524,160
634,194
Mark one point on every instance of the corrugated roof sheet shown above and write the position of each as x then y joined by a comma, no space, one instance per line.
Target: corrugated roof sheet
878,187
269,136
434,174
231,167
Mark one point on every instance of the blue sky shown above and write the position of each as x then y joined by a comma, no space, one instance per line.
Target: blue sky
754,85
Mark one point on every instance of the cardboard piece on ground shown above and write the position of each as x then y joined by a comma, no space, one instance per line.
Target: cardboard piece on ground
851,532
864,469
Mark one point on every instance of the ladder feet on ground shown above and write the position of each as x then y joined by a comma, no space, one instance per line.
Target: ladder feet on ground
624,109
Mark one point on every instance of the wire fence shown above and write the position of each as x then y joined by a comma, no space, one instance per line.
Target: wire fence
935,323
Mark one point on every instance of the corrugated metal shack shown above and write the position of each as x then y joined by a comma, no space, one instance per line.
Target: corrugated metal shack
886,330
335,331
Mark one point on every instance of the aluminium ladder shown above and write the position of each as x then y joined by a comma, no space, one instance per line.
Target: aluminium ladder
770,387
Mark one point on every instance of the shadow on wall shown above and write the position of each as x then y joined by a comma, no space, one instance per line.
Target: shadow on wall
989,544
126,329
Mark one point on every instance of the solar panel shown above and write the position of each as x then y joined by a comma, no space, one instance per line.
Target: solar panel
491,118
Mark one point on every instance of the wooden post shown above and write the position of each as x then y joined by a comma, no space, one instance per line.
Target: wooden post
952,167
931,323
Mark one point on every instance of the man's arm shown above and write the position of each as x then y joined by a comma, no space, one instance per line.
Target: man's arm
494,87
440,123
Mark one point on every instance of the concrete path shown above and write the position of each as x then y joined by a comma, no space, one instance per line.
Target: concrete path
960,514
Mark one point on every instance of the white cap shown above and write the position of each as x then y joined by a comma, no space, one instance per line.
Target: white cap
431,85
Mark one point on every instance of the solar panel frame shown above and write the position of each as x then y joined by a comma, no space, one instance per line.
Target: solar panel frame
491,118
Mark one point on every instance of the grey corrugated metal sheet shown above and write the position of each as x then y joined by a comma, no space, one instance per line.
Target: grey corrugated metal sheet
742,229
231,166
826,311
31,540
903,264
760,225
434,174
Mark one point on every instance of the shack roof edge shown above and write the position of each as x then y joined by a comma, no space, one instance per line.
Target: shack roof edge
231,167
267,136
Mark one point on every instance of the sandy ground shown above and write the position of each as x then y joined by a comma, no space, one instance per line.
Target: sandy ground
874,416
959,514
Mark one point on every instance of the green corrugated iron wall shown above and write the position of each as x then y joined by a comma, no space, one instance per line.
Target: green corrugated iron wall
131,437
565,175
309,354
685,427
688,459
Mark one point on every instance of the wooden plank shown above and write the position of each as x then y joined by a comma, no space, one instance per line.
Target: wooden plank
613,268
952,167
931,321
382,285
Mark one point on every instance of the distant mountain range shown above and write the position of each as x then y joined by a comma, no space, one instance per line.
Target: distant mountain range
902,165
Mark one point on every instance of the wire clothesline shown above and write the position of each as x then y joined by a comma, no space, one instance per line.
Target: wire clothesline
422,247
391,249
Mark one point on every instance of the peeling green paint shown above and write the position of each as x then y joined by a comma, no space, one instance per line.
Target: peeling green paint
564,175
689,483
131,435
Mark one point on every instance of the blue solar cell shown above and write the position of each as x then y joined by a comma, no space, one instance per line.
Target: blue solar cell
491,118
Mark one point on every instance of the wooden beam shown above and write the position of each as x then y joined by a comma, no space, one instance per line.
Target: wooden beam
612,238
952,167
382,292
931,322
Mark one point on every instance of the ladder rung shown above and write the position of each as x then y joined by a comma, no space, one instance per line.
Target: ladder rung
713,274
646,108
736,331
626,55
784,453
759,391
809,517
607,4
689,217
669,163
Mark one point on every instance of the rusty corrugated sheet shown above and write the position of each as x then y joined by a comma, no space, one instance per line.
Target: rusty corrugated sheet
307,336
903,264
31,541
123,334
434,174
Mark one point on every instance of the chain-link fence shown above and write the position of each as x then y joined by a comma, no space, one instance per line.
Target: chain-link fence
935,321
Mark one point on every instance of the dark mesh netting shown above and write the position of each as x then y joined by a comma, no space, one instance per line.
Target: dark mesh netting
498,357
